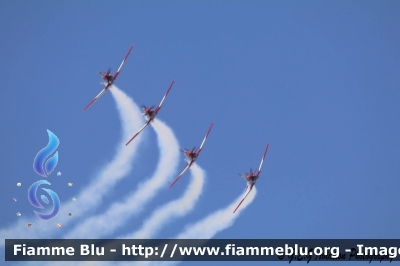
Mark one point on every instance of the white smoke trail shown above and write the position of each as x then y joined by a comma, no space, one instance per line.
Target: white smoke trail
217,221
173,209
92,195
166,213
208,227
105,223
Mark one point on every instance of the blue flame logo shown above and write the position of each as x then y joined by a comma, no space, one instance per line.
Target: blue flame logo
34,201
44,168
39,165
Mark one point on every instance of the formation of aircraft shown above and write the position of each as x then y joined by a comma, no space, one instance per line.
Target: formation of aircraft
150,114
251,178
190,155
108,79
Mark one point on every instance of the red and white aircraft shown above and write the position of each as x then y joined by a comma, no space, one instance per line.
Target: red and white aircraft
191,156
150,114
251,178
108,79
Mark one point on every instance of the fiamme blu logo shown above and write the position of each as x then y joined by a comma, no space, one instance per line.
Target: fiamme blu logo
43,164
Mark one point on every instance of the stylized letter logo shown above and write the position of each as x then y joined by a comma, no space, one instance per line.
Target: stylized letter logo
34,201
41,156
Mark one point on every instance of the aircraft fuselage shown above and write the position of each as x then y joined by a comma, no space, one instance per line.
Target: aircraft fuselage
150,114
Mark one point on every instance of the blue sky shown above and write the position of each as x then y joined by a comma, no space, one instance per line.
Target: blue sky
317,79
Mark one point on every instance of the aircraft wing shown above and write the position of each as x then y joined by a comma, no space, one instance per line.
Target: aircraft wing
204,140
262,160
97,97
123,62
140,130
163,99
243,198
184,170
